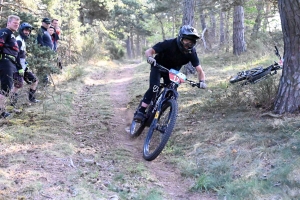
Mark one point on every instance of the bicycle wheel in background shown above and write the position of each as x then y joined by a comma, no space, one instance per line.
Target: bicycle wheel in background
160,130
238,78
136,128
257,77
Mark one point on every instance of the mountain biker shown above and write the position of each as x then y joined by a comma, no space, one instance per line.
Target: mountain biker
172,53
9,62
29,77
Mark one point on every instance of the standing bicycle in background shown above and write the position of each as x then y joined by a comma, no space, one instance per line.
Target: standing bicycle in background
9,62
172,53
28,76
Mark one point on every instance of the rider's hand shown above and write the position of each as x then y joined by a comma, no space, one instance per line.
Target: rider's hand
21,72
202,85
151,60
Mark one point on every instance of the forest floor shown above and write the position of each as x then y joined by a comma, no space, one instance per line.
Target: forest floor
85,151
75,143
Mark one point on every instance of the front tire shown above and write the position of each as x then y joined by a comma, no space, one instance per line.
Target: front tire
160,130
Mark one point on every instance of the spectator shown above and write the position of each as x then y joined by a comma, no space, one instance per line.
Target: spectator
29,77
9,60
57,32
51,32
44,38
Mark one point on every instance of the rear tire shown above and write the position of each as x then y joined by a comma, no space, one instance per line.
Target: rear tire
160,130
253,79
237,79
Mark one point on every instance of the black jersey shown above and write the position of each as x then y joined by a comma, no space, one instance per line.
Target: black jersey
169,55
8,43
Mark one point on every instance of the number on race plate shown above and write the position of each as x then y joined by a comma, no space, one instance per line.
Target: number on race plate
176,76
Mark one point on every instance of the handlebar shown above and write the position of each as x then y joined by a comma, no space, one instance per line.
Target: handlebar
192,83
277,52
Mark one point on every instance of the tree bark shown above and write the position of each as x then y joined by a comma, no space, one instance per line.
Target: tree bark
212,24
288,96
188,12
202,18
258,20
239,44
132,44
128,48
162,27
188,19
227,34
222,28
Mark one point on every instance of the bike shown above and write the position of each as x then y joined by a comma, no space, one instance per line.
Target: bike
160,115
259,73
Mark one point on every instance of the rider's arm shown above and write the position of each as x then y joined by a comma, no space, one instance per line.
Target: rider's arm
149,52
200,72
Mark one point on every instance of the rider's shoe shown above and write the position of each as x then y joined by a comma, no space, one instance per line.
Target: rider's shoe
4,115
34,100
139,116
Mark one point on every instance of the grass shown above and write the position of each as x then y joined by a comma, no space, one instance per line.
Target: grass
233,151
221,142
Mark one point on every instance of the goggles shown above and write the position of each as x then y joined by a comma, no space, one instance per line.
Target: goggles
187,43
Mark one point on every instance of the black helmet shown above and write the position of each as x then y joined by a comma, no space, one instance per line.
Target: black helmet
187,32
23,26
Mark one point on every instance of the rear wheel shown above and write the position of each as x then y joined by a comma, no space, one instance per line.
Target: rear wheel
246,74
237,79
160,130
255,78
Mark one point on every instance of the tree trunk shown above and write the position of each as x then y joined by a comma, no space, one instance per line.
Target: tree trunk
267,13
239,44
138,46
288,96
202,18
128,48
222,28
258,20
161,26
132,45
188,19
227,33
188,12
212,25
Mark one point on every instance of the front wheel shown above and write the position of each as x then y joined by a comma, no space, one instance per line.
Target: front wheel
160,130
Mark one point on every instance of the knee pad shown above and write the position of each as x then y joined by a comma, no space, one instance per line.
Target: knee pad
30,78
18,80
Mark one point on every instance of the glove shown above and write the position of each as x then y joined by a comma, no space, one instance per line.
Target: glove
151,60
21,72
202,85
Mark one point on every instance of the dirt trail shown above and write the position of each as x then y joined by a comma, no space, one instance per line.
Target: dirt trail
162,174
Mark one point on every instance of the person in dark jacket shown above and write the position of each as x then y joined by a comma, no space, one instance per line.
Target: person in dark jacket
172,53
9,60
44,38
